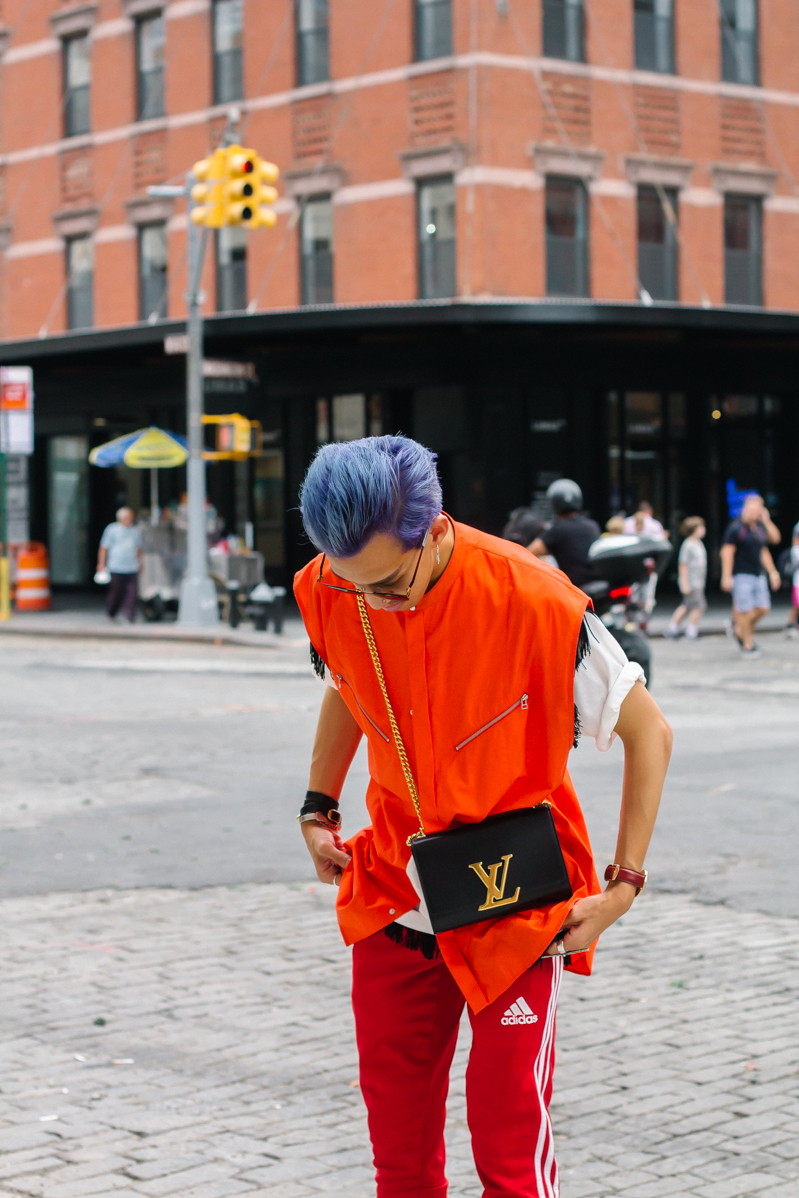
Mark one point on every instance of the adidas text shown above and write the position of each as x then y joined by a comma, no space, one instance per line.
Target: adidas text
519,1012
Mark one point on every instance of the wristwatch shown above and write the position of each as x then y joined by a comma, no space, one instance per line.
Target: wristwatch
330,820
635,877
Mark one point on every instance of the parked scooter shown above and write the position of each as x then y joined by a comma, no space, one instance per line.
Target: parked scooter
621,564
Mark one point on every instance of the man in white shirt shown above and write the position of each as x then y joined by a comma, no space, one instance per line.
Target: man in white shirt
120,553
643,523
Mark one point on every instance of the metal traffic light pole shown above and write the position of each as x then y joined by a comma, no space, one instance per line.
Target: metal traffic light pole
198,604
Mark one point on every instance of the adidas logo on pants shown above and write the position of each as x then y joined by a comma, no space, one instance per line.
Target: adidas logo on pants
519,1012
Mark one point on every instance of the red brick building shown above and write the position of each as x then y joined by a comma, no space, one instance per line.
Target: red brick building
543,235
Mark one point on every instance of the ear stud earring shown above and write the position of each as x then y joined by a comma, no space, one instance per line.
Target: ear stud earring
438,557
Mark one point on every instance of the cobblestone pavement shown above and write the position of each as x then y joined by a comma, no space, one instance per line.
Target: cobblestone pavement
199,1044
225,999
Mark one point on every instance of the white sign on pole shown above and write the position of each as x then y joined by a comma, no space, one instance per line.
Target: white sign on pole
16,409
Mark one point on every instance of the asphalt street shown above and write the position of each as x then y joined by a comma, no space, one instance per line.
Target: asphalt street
129,764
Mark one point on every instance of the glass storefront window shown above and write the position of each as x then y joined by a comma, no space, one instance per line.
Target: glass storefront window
349,417
68,476
269,507
646,459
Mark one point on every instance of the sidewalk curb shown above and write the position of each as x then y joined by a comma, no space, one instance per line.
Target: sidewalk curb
223,635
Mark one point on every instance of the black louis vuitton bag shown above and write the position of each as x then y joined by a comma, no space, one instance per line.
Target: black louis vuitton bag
505,863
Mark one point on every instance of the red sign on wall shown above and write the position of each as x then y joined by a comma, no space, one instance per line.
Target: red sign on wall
16,409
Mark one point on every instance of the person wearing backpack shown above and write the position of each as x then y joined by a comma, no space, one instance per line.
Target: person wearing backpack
747,569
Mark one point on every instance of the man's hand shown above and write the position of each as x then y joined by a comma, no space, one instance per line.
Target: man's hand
327,851
775,580
726,584
589,917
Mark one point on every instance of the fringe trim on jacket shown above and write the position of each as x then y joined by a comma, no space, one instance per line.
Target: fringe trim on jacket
421,942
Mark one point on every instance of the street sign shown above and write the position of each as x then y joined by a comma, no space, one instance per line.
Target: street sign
176,343
16,409
215,368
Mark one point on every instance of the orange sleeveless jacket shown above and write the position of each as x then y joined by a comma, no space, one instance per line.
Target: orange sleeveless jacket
496,636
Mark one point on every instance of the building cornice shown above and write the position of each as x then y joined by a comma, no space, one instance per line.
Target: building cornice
149,210
301,182
76,222
566,160
744,180
430,161
143,8
77,18
665,172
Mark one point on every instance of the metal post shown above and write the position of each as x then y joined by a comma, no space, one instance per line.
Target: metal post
154,509
5,576
198,604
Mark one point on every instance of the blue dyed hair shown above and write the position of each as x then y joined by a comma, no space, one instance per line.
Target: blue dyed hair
354,489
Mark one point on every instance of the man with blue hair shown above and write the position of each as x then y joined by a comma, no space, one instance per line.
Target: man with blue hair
471,667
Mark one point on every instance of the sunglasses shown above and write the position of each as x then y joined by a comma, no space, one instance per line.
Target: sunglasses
389,595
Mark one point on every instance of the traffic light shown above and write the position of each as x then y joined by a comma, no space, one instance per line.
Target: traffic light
247,189
237,438
234,187
207,192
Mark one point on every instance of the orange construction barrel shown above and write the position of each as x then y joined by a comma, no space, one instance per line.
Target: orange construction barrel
33,578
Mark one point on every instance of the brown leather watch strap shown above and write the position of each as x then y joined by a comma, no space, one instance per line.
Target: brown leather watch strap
635,877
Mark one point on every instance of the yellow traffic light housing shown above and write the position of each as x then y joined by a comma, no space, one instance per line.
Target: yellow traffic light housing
247,189
234,187
207,191
237,438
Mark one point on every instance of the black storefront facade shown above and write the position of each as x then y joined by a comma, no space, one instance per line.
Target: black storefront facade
667,403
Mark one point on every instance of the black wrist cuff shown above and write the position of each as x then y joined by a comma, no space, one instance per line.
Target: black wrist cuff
316,801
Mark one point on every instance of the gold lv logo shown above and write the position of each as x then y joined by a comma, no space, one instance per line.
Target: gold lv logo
495,892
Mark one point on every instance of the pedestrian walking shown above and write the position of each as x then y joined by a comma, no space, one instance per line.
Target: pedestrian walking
747,568
572,534
792,628
469,666
644,524
120,553
691,578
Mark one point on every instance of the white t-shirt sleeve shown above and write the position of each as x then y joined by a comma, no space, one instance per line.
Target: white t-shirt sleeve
602,682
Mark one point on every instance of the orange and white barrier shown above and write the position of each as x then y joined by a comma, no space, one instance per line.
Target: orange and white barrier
33,578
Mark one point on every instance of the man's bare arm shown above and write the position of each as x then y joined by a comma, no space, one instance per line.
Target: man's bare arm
767,562
727,559
337,739
538,548
647,740
772,532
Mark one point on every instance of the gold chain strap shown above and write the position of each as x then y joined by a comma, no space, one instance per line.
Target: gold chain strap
403,756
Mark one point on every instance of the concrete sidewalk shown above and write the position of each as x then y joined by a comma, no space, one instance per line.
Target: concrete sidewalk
71,618
85,616
199,1044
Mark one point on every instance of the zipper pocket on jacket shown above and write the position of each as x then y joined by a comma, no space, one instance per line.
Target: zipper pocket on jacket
365,714
519,703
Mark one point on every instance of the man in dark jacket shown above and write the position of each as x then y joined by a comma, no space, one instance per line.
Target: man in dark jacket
572,534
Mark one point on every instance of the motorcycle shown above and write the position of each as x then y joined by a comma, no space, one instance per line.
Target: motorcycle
623,564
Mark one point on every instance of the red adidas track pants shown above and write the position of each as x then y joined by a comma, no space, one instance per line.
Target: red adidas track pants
407,1011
